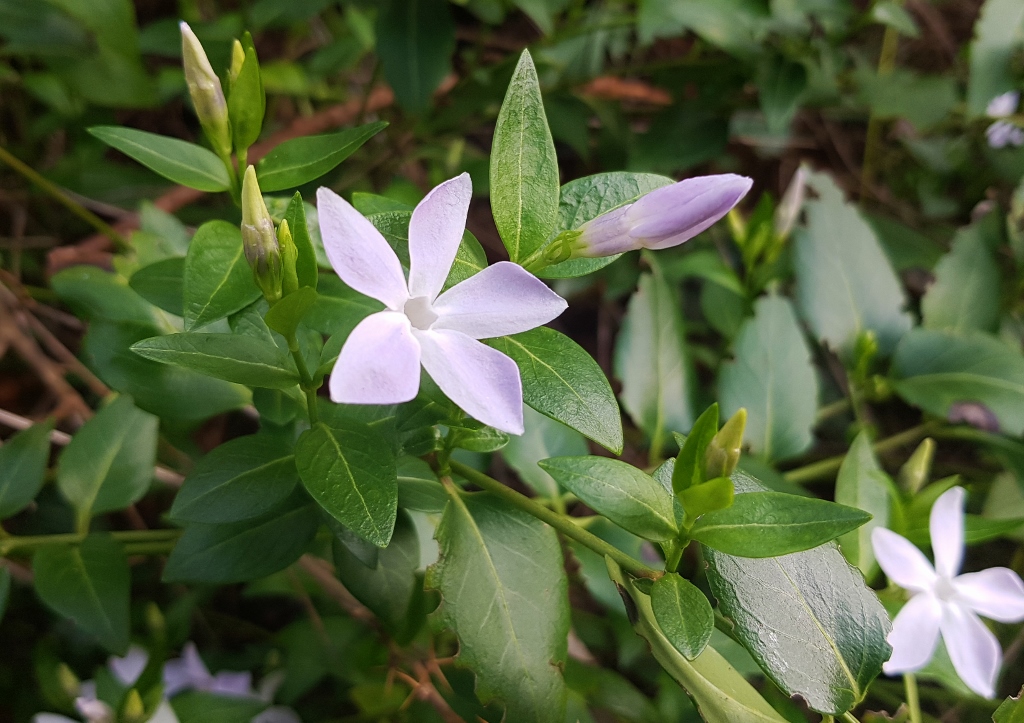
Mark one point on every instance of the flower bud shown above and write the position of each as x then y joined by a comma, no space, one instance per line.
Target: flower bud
259,239
207,94
791,204
289,257
723,454
915,473
664,217
133,710
237,59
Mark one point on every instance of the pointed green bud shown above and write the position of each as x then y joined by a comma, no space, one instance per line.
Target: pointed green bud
289,256
207,94
237,60
68,681
133,710
259,239
724,451
915,473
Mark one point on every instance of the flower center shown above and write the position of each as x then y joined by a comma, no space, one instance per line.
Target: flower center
420,314
944,589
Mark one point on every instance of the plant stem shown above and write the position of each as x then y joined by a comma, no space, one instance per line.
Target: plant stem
849,717
128,537
886,64
913,700
826,467
562,523
306,381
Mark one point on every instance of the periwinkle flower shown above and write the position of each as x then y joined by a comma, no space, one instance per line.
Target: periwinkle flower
1003,105
205,89
1004,133
663,218
380,361
944,602
190,673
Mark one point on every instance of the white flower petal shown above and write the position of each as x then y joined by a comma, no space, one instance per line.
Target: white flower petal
901,561
996,593
502,299
358,252
379,363
51,718
164,714
914,635
481,380
185,672
946,525
435,232
1003,105
130,667
973,649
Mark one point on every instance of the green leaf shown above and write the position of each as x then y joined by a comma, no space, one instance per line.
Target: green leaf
770,524
893,15
88,583
650,359
862,484
23,461
845,284
715,494
199,706
241,479
350,470
305,264
108,464
772,377
504,593
174,159
524,168
415,42
689,467
1010,710
935,370
418,488
923,100
5,590
683,613
217,280
247,102
97,294
305,159
780,83
587,198
486,439
562,381
231,357
965,295
162,284
246,550
997,36
543,438
807,618
619,491
284,316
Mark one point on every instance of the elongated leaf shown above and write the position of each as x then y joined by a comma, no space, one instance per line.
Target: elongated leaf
198,706
23,461
524,168
780,84
997,35
773,379
218,280
543,438
683,613
770,524
305,265
689,468
938,369
415,42
563,381
305,159
965,295
350,470
504,593
807,618
1010,710
862,484
88,583
231,357
619,491
174,159
162,284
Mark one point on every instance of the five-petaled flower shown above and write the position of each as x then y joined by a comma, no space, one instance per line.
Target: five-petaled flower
946,602
380,361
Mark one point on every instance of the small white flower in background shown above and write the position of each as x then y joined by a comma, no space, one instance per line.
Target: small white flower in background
946,602
1003,105
1004,133
190,673
380,361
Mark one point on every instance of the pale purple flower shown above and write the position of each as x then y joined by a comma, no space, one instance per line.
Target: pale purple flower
944,602
1003,105
380,361
662,218
128,669
1003,133
190,673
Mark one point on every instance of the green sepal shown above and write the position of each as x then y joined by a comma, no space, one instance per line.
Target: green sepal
689,468
285,316
716,494
247,102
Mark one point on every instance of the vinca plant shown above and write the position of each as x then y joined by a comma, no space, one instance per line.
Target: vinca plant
344,404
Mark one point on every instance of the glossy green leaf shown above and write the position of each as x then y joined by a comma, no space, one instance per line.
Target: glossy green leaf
88,583
683,613
504,593
97,294
862,484
619,491
247,102
936,370
770,524
772,377
543,438
1010,710
162,284
563,381
304,159
965,295
418,488
415,42
807,618
108,464
997,36
246,550
688,469
238,480
350,470
700,499
285,316
305,265
524,168
217,279
23,459
486,439
231,357
174,159
200,706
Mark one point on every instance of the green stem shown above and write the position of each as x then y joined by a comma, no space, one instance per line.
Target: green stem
562,523
305,380
849,717
831,410
128,537
827,467
913,699
886,64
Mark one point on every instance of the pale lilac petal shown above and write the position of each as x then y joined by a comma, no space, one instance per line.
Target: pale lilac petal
1003,133
358,252
502,299
231,683
435,232
130,667
482,381
901,561
973,649
606,235
914,635
94,711
996,593
379,363
164,714
185,672
673,214
946,525
51,718
277,714
1003,105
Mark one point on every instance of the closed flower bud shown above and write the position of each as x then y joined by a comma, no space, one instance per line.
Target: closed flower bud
663,218
259,239
237,59
207,94
289,257
723,454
